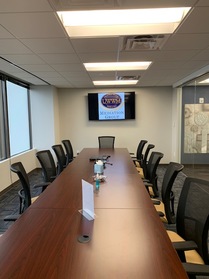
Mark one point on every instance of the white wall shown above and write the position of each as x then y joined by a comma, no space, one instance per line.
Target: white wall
176,124
43,121
153,120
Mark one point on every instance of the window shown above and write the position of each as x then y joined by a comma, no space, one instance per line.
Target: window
18,117
2,124
14,118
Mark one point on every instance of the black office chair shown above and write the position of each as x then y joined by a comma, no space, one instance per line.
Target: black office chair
165,208
69,151
144,161
139,153
150,181
46,160
192,226
24,193
61,158
106,141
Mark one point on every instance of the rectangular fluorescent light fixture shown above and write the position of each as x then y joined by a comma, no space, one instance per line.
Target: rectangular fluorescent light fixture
101,23
115,82
117,66
205,81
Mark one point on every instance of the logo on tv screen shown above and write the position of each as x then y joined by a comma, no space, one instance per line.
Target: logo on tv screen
111,101
111,106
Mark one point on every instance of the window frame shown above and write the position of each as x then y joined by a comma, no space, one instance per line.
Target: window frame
5,145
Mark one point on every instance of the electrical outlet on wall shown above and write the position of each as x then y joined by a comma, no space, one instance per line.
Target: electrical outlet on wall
201,100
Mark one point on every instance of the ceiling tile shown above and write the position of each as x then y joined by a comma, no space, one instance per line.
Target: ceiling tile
96,45
32,25
197,22
190,41
24,6
12,46
32,37
60,58
24,59
51,45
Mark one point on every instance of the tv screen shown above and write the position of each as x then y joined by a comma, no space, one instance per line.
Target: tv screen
111,106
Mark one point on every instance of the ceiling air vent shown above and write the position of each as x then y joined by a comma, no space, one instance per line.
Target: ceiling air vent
128,77
144,42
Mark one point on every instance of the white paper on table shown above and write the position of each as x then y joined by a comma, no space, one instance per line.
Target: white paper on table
87,200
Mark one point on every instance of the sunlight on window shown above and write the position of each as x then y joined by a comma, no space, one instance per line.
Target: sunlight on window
18,114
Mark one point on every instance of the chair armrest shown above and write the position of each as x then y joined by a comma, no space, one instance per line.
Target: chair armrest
196,269
184,245
147,184
156,202
42,185
22,196
145,180
52,177
160,213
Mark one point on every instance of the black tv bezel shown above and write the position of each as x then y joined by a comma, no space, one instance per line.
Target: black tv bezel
93,114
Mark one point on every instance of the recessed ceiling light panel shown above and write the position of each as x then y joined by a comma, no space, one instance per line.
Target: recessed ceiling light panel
205,81
117,66
115,82
98,23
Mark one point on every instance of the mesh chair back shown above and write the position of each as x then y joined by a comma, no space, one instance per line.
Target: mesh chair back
166,192
61,158
139,155
152,165
192,220
47,163
106,141
145,157
69,150
19,169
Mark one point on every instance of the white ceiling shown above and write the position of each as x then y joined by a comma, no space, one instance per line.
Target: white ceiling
32,38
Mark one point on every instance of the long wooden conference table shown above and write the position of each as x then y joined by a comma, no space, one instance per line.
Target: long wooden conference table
127,238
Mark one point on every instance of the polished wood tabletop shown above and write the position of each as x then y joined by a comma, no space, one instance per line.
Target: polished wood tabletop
125,240
123,187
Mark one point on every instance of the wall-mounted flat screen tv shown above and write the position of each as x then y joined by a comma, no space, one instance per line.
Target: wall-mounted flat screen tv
111,106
